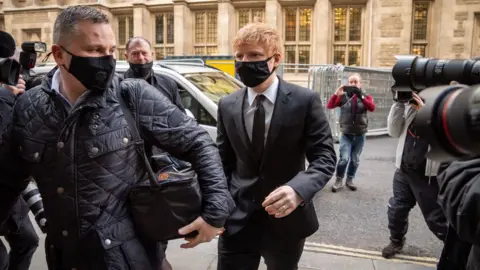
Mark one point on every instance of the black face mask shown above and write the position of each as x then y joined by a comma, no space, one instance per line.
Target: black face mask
253,74
95,73
142,70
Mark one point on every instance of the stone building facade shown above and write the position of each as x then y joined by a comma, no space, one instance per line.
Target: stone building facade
350,32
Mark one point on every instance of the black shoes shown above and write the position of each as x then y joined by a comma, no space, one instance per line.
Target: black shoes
393,248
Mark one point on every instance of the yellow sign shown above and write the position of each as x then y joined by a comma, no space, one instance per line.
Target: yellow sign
227,66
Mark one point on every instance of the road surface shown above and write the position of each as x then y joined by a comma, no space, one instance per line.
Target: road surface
359,219
356,219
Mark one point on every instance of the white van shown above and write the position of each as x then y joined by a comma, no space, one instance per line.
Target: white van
200,86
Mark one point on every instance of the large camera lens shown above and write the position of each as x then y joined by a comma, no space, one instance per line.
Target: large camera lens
417,73
450,121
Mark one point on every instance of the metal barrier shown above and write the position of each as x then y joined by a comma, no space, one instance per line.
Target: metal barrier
377,82
296,73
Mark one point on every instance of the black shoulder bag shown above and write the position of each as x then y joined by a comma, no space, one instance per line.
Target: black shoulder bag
169,200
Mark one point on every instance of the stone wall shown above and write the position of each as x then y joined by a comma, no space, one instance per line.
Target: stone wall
391,30
454,32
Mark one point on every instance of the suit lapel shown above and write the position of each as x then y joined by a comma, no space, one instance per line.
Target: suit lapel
238,115
280,114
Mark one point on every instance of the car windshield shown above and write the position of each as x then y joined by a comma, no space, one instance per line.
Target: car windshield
214,85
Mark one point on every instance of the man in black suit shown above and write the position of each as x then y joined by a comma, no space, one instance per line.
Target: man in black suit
265,131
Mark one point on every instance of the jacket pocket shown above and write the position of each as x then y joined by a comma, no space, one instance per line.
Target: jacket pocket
123,250
109,142
32,151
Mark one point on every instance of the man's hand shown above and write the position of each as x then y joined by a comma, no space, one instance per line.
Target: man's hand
282,201
18,89
339,91
205,233
419,102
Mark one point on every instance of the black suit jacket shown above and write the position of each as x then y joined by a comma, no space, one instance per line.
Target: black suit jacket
298,129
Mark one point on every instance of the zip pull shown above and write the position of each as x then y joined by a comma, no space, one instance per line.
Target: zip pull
414,143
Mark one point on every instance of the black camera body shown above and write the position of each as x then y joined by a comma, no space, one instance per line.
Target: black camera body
450,118
10,69
350,90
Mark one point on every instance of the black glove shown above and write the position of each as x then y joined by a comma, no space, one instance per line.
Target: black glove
360,94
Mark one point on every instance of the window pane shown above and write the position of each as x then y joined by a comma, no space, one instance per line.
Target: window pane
169,51
339,54
303,57
340,21
290,54
170,28
130,27
121,54
122,30
212,27
200,50
159,53
355,24
243,17
354,53
159,29
420,21
305,22
257,15
419,49
291,24
211,50
200,27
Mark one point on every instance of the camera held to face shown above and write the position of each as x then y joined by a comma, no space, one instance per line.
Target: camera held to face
450,119
10,69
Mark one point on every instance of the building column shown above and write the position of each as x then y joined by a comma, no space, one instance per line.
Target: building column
142,21
321,33
183,28
391,31
226,27
273,14
2,23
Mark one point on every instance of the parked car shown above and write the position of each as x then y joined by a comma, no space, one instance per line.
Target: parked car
200,86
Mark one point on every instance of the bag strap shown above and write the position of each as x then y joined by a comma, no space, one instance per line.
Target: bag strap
137,139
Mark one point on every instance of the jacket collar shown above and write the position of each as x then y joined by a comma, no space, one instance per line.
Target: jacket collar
93,99
129,74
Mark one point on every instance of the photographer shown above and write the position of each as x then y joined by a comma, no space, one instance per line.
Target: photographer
414,180
459,193
354,125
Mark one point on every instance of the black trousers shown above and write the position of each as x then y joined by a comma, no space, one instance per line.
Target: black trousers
243,250
23,244
411,187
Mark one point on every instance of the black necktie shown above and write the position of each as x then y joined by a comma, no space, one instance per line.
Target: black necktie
258,129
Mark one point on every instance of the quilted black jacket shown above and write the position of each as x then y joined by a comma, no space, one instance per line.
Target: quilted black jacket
165,85
20,209
85,164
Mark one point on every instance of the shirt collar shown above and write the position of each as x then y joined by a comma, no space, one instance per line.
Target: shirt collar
270,93
56,81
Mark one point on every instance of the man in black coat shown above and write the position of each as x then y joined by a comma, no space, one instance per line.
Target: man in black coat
265,132
70,134
139,55
18,230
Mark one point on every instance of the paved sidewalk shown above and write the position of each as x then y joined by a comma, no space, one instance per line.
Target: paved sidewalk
204,257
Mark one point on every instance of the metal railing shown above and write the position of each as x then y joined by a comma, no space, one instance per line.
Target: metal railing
377,82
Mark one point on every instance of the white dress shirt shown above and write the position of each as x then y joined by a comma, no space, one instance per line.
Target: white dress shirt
269,104
58,87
